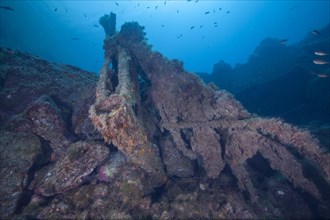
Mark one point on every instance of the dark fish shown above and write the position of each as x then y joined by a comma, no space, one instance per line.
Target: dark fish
201,26
66,10
283,41
163,25
203,37
117,3
179,36
177,11
213,10
74,38
85,15
227,12
196,1
215,22
315,32
165,3
95,25
292,8
156,7
192,27
148,7
7,8
138,4
219,9
55,9
207,12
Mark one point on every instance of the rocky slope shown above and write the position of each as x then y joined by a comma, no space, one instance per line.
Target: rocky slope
145,140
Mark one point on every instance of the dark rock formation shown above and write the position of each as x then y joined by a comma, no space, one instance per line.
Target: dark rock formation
70,171
19,154
280,80
178,148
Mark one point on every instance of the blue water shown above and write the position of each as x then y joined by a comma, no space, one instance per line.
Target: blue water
68,31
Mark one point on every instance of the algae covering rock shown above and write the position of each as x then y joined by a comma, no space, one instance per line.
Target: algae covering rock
26,78
71,170
203,123
19,154
158,144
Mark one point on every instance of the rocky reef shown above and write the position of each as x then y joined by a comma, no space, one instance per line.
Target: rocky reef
145,139
282,80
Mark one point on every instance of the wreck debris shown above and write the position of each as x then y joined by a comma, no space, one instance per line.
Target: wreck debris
108,22
207,125
114,116
206,142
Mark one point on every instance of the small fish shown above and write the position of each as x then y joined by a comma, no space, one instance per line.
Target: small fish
177,11
74,38
201,26
163,25
227,12
203,37
85,15
321,75
192,27
215,22
7,8
95,25
148,7
165,3
207,12
55,9
117,3
219,9
179,36
66,10
315,32
292,8
156,7
320,62
320,53
283,41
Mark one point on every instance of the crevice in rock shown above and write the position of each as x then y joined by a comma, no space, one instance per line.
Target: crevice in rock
261,165
144,85
185,135
66,113
157,193
223,135
310,172
114,70
41,161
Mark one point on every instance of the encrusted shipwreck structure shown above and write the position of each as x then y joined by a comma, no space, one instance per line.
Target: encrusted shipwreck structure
146,140
163,118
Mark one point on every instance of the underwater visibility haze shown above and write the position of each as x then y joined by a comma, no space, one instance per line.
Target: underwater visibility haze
200,33
189,109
